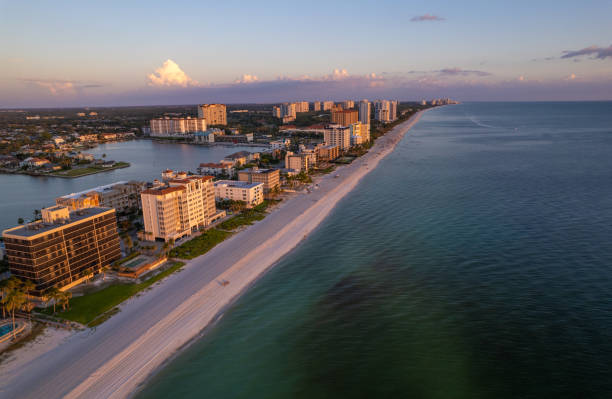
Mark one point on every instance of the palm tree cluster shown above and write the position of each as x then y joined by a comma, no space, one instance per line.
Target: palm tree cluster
15,297
59,298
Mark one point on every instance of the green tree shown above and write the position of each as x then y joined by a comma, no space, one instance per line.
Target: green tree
55,295
20,221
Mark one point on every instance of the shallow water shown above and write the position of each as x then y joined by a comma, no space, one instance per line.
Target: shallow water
473,262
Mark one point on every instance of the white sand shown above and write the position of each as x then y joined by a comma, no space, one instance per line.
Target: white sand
112,360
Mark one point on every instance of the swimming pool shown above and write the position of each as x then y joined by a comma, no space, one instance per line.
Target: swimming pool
5,329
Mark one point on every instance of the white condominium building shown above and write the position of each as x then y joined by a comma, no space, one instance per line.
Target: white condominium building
385,110
364,111
177,126
179,208
250,193
338,135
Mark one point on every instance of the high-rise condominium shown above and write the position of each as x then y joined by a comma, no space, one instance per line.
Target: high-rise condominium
364,112
215,114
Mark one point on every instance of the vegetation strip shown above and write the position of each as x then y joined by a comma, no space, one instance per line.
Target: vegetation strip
89,308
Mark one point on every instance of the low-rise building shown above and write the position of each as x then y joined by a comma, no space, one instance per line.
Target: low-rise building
297,162
206,137
328,153
64,248
33,162
235,138
216,169
280,144
242,157
250,193
269,177
121,196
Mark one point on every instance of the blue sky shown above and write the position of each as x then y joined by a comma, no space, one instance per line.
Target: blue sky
70,53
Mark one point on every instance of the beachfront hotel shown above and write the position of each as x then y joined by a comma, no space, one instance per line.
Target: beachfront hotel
178,208
121,196
214,114
64,248
344,117
336,135
269,177
176,126
249,193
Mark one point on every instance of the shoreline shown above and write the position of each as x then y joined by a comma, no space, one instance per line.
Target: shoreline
119,357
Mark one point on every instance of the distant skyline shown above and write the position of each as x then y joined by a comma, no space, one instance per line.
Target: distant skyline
63,54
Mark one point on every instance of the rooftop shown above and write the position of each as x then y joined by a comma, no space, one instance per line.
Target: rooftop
98,189
38,227
237,184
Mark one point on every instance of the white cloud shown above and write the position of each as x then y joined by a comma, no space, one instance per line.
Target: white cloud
246,78
170,74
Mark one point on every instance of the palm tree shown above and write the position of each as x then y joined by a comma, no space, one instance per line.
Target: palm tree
65,299
36,213
55,295
28,286
15,300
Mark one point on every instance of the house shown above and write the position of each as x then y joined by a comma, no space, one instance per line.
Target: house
33,162
217,169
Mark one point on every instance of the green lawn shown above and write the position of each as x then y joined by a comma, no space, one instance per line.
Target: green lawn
90,309
245,218
200,244
76,172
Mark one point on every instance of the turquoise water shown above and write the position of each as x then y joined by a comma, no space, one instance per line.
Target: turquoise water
474,262
5,329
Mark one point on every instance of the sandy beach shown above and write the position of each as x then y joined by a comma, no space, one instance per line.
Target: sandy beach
114,359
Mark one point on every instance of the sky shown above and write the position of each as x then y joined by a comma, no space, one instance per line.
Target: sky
82,53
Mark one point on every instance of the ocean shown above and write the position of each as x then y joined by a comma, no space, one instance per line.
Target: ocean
474,262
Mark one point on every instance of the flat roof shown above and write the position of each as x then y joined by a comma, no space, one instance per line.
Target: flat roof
98,189
163,190
262,171
237,183
40,227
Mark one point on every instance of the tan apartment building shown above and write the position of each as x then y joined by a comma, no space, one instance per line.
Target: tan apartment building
336,135
64,248
176,126
179,208
298,162
214,114
328,152
344,117
250,193
327,105
269,177
316,106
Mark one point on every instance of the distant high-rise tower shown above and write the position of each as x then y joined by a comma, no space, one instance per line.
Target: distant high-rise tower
215,114
364,112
